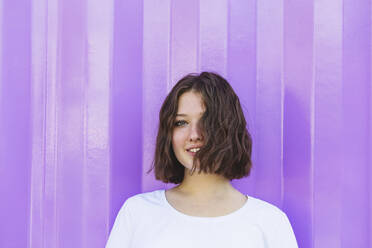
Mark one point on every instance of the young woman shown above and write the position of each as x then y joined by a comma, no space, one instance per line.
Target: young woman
202,144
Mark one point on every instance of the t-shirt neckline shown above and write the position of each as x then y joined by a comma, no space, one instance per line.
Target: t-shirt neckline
234,214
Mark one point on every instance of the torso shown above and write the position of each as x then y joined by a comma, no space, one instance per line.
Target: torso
213,208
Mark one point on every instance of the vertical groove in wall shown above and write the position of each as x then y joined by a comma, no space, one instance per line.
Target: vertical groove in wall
96,153
16,121
328,123
356,85
298,108
241,69
155,76
86,91
268,100
70,123
183,39
38,106
297,77
312,137
213,36
44,123
85,180
370,130
282,107
54,57
50,224
198,56
1,60
2,86
126,104
170,45
49,204
227,36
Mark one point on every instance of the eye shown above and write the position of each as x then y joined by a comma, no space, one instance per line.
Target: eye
180,123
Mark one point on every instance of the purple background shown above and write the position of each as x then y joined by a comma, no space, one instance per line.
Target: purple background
81,84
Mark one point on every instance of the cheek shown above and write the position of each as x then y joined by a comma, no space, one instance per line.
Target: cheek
178,139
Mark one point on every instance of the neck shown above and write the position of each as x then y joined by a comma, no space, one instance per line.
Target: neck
204,186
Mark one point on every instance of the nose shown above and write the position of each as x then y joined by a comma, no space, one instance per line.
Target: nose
195,133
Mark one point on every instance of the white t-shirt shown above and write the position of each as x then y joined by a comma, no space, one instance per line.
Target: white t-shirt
147,220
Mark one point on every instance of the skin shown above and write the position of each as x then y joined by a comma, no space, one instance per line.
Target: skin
200,189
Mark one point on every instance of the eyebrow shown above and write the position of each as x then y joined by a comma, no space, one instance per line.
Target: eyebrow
186,114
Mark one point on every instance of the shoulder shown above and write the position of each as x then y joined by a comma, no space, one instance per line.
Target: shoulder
266,213
274,223
141,203
145,198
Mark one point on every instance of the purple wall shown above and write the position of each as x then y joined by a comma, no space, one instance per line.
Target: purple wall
15,123
81,84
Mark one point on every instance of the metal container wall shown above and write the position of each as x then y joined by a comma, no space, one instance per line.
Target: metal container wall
82,82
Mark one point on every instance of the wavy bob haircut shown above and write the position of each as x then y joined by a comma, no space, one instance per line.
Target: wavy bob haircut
227,144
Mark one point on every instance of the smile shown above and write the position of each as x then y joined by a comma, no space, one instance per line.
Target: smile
193,149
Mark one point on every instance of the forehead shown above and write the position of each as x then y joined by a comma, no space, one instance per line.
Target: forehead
190,103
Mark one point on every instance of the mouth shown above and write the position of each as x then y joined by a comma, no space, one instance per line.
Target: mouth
192,151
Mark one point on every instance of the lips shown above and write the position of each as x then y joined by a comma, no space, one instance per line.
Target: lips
192,153
192,147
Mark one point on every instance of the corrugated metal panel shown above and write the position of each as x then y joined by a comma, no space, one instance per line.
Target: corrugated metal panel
82,83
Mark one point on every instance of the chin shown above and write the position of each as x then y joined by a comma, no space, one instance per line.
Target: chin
187,165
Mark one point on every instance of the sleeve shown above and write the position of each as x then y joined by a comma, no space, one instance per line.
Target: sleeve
281,234
121,232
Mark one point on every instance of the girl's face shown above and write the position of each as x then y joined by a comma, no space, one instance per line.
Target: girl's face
185,132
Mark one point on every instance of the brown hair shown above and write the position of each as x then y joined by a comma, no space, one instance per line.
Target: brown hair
227,145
